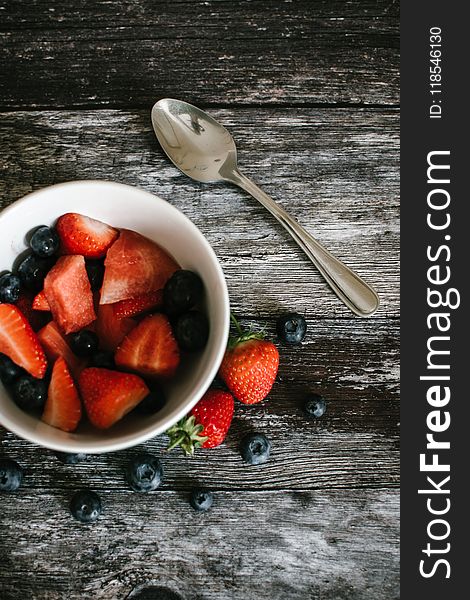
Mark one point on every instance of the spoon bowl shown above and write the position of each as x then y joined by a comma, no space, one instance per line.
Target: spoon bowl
205,151
195,142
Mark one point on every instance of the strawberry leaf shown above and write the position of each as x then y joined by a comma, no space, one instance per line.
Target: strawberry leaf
186,434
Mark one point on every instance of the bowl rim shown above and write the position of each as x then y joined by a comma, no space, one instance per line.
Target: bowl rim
151,431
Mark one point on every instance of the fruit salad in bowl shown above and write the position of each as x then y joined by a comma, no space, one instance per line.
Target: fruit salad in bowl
114,316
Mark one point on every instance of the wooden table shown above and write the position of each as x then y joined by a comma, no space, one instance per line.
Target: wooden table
309,90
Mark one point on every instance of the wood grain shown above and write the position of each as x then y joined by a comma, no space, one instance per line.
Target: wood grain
183,16
354,445
336,171
98,54
310,91
333,546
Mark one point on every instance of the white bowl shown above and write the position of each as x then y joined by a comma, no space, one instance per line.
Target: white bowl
132,208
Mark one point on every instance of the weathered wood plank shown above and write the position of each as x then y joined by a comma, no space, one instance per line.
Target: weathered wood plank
179,15
104,54
301,460
320,519
336,171
355,444
333,546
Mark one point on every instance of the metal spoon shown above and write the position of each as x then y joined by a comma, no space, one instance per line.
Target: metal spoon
204,150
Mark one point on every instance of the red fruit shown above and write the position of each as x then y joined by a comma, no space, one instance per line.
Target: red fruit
249,368
69,295
63,408
83,235
19,342
36,319
109,395
110,329
55,346
140,304
150,348
134,266
214,412
40,302
207,424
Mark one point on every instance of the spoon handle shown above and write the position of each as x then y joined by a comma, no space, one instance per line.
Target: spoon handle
360,297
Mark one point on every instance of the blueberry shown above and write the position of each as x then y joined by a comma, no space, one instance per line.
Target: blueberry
201,500
102,360
291,328
255,448
11,475
144,473
192,331
33,270
95,272
9,288
44,242
154,402
9,371
182,291
30,393
315,406
71,459
84,343
85,506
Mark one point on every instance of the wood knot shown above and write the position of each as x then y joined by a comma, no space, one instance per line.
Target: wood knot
153,593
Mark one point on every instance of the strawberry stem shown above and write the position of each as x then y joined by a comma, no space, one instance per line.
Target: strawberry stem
186,434
236,323
242,336
176,441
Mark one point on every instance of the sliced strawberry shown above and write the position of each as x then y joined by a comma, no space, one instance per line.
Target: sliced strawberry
55,346
19,342
63,408
36,319
134,266
135,306
109,395
83,235
69,294
110,329
40,302
150,348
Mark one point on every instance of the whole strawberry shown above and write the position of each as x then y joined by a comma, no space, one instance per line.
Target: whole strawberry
249,367
206,425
